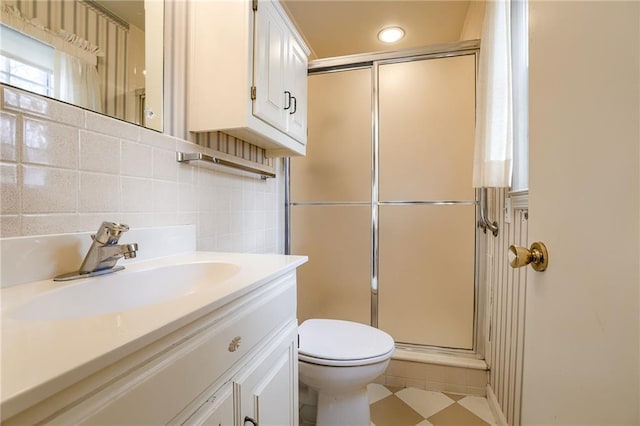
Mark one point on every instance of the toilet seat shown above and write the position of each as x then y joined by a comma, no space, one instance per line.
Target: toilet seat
342,343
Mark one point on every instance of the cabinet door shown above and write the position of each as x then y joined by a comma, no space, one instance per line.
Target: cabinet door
216,411
268,390
271,40
296,83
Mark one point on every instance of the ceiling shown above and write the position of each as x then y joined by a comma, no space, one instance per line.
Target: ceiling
344,27
131,11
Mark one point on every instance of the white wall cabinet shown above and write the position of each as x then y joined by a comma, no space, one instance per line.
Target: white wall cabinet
248,74
237,362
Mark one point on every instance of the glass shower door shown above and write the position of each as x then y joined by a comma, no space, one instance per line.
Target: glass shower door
426,202
331,199
383,205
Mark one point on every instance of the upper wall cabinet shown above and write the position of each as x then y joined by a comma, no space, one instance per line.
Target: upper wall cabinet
248,75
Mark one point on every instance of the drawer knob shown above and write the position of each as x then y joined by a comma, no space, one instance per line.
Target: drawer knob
235,344
248,419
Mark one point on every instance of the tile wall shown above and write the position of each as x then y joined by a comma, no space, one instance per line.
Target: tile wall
64,169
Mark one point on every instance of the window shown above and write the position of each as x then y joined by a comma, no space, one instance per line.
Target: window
26,62
520,91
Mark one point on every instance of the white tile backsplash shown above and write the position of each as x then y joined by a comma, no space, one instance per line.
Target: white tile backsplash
49,190
10,225
111,126
94,168
28,259
8,137
49,143
136,159
22,102
165,166
99,153
99,193
10,196
45,224
136,194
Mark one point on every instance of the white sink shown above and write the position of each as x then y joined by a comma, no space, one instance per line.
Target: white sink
124,290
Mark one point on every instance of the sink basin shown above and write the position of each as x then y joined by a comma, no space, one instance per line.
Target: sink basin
122,291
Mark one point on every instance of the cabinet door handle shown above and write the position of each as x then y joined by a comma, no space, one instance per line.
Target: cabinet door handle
287,100
295,105
250,420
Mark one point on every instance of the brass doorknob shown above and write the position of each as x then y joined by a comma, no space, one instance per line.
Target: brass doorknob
536,255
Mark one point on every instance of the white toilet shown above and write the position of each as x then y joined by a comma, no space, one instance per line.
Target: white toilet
338,359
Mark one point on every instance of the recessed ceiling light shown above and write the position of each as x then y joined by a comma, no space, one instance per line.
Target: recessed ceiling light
390,34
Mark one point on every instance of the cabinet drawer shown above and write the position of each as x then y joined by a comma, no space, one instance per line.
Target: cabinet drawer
156,391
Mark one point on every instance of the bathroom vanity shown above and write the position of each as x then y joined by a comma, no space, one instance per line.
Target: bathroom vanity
218,348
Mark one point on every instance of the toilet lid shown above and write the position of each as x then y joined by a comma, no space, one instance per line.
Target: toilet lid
342,340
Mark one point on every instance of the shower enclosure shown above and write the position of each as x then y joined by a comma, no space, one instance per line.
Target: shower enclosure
382,204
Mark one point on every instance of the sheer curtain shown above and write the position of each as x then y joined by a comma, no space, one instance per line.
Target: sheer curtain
76,81
493,154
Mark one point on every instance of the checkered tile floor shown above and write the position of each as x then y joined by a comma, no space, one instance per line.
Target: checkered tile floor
392,406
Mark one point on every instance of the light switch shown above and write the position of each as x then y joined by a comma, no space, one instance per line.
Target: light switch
507,210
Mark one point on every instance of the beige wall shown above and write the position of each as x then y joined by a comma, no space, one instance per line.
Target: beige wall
472,28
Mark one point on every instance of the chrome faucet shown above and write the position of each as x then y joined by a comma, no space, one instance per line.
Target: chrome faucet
103,253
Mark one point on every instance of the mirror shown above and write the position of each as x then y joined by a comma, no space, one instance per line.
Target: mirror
103,55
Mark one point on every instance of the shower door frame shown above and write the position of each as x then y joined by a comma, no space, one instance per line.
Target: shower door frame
372,62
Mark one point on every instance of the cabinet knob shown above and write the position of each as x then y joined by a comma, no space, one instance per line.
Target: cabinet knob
235,344
250,420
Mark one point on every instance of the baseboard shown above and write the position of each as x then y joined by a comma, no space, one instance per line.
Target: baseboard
498,415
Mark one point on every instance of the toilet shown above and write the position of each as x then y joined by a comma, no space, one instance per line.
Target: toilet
338,359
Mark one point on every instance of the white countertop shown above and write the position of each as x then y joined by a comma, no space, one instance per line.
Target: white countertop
40,358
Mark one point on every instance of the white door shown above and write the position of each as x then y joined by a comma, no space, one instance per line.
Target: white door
216,411
581,357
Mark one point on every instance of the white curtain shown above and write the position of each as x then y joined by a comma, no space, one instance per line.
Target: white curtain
76,81
493,154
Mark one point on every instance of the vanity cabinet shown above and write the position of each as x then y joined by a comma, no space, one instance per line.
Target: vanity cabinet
248,75
238,362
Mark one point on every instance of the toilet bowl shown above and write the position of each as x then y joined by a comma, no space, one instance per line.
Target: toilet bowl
338,359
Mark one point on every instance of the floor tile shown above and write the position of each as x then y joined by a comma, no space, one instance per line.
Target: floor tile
392,411
377,392
454,396
425,422
395,389
478,406
456,415
426,403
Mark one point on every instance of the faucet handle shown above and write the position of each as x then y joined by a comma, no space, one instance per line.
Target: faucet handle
109,232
